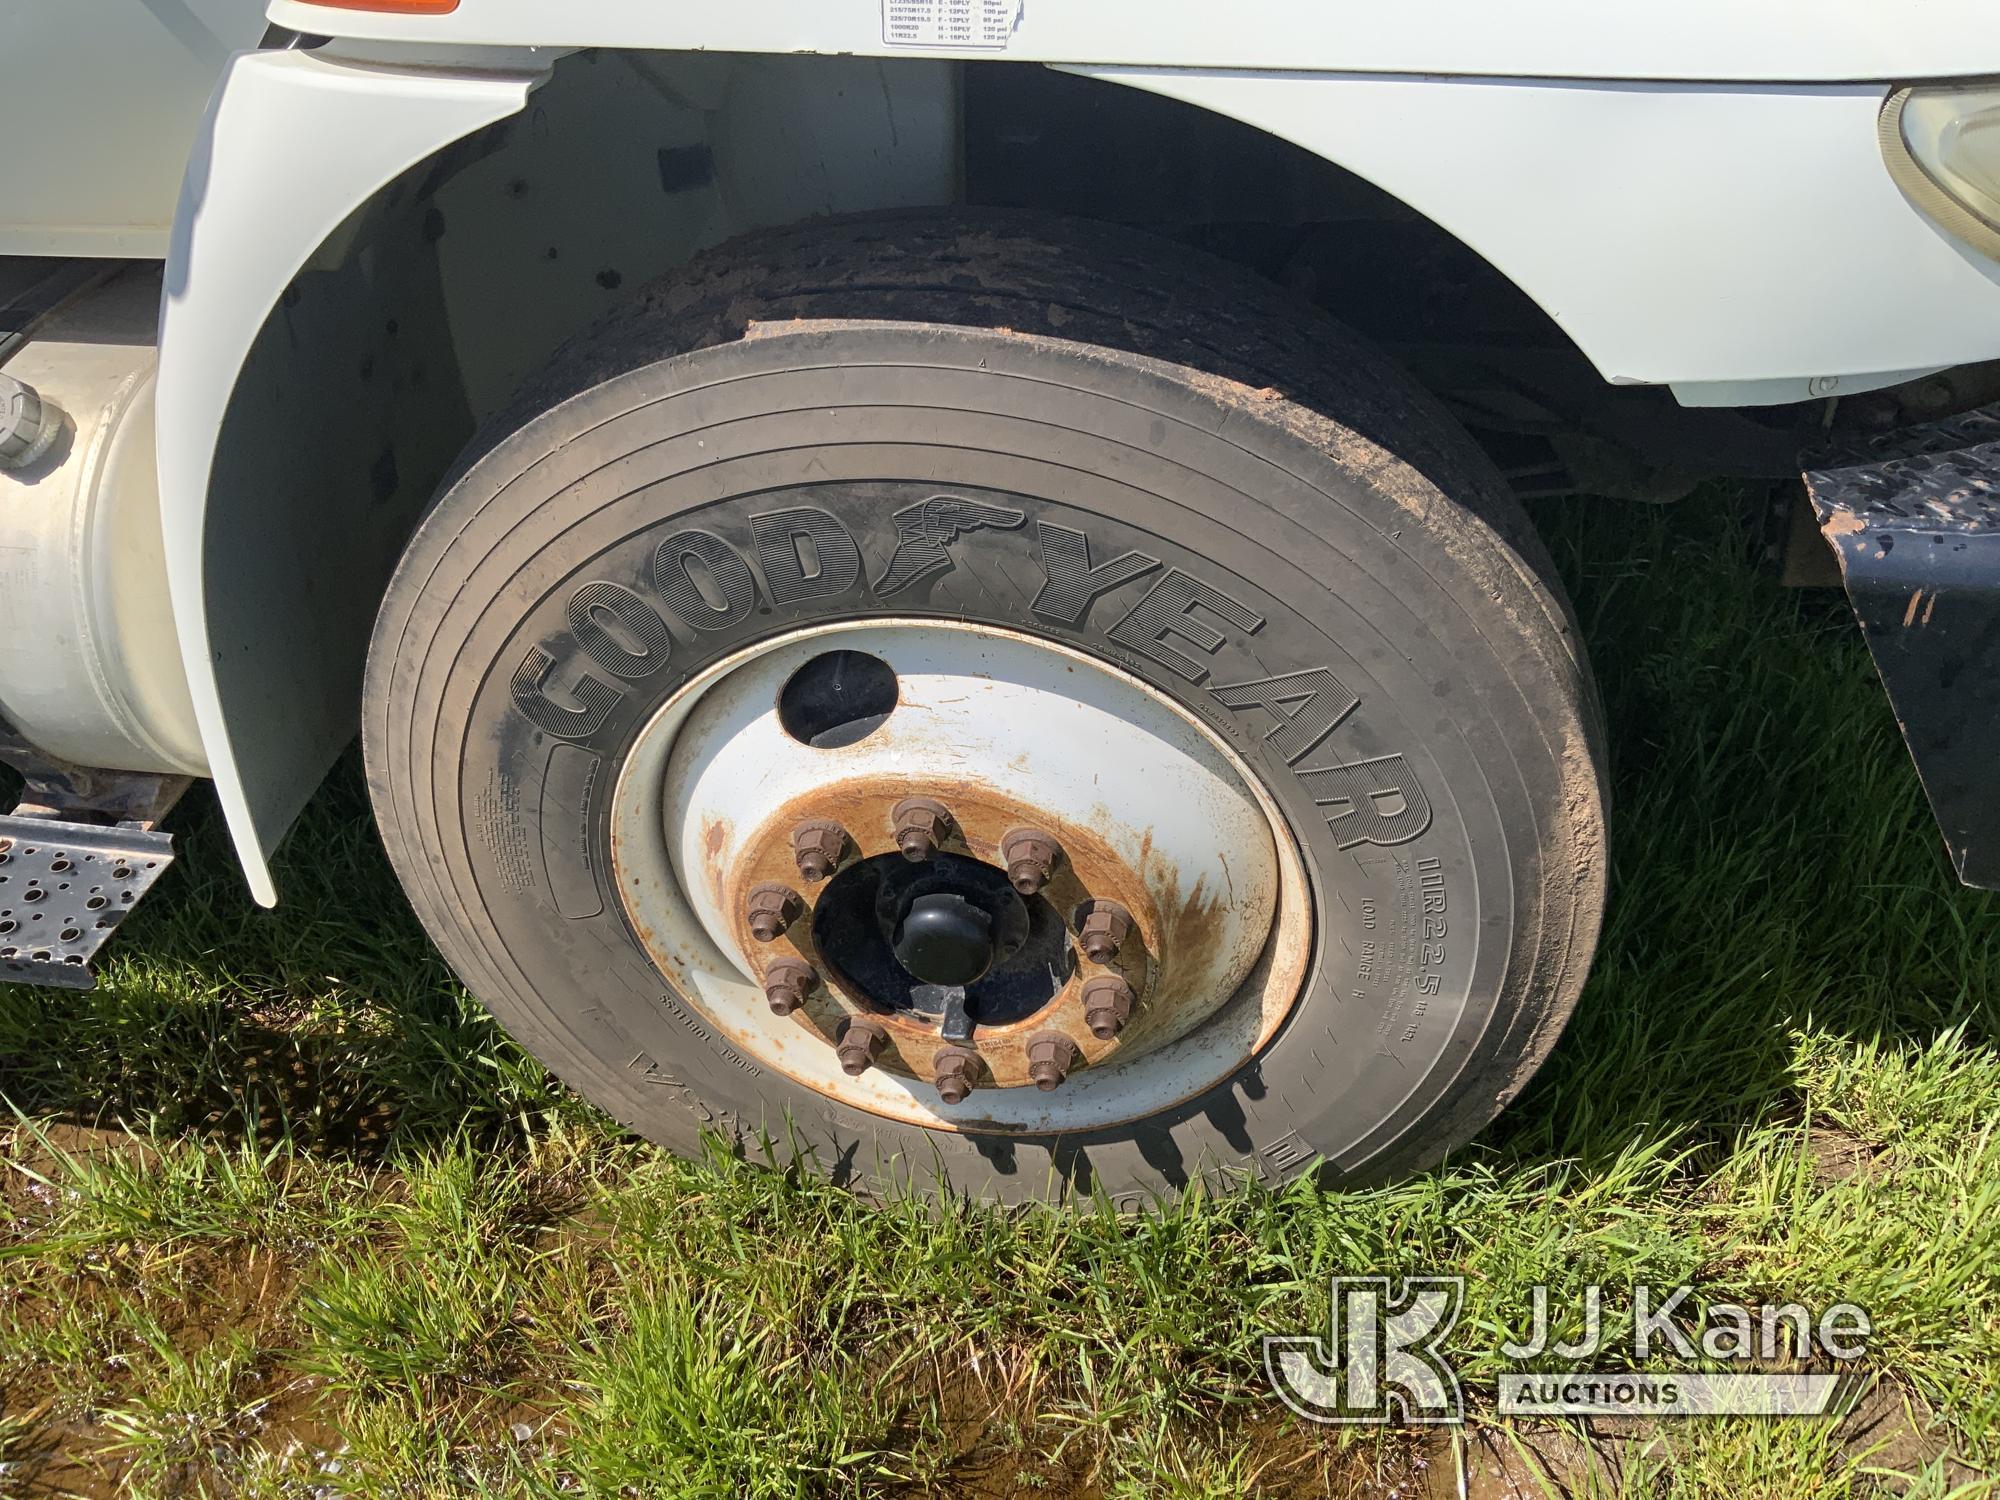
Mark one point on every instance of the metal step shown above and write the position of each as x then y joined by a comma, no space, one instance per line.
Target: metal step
64,888
76,854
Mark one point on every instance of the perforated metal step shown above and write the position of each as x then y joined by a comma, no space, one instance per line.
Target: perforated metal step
64,888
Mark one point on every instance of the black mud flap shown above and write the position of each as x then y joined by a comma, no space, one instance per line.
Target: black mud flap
1914,518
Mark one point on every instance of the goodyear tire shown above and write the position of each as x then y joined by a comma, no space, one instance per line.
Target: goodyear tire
1063,439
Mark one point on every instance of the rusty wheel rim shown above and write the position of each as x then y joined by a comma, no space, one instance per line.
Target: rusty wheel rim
1181,899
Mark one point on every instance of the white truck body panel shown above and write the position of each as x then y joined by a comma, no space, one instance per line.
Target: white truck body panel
1823,41
99,100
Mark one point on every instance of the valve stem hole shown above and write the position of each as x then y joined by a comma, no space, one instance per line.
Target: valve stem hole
836,699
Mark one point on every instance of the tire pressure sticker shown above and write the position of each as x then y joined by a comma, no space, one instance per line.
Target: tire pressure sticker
987,25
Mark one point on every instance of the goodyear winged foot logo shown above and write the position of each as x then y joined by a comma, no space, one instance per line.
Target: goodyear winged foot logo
924,529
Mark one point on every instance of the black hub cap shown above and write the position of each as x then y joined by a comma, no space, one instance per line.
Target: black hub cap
944,939
909,935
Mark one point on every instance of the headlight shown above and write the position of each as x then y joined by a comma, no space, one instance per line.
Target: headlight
1943,149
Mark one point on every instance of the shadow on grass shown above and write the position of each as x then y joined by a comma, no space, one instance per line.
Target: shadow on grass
1775,868
331,1018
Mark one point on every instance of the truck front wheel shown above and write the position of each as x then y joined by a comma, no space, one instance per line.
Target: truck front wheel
1001,701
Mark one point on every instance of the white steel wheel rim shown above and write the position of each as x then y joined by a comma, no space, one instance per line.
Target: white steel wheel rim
999,720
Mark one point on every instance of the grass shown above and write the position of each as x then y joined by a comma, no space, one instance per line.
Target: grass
285,1215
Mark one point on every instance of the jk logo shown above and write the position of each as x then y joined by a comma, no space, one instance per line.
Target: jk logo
924,529
1380,1360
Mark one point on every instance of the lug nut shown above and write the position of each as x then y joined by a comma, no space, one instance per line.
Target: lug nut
1030,857
787,982
920,826
1102,929
772,908
956,1073
1050,1057
817,847
860,1040
1107,1005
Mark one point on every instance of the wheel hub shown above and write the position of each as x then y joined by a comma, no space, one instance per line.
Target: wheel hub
905,936
948,920
1002,868
945,939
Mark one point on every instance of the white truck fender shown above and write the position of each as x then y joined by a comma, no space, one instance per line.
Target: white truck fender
1743,243
273,703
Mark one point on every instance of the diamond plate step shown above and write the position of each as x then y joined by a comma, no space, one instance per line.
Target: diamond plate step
64,888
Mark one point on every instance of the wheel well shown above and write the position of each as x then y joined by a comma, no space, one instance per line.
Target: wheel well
412,323
626,164
1506,368
653,157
